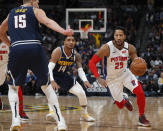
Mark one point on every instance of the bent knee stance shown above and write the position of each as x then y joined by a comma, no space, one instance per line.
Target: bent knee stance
79,92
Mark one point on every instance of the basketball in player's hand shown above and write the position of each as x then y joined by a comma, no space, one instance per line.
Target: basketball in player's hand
138,66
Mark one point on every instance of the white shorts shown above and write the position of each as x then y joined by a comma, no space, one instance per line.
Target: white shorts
127,79
3,69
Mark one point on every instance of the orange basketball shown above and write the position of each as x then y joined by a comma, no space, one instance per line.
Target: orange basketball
138,67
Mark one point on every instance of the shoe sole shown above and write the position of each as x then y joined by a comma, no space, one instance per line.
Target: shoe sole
144,125
86,120
15,128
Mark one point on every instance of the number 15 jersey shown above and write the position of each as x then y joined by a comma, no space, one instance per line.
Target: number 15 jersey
21,21
117,61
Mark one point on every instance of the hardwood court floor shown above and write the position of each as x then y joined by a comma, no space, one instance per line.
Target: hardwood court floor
108,116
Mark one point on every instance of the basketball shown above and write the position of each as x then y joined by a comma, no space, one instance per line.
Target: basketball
138,66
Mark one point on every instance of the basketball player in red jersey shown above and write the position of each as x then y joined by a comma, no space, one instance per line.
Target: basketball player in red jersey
117,52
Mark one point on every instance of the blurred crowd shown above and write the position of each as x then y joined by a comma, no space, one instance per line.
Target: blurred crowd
127,16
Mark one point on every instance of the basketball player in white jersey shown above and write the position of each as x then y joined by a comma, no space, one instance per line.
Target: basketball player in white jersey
3,65
117,52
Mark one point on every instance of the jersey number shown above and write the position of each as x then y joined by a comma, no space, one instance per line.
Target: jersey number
20,21
62,68
118,65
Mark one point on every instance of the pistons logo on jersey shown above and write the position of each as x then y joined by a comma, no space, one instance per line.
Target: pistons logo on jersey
133,82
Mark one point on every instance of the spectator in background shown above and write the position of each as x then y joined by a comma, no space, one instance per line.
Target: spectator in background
160,82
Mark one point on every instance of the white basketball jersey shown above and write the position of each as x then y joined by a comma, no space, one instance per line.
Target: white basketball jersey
4,51
117,61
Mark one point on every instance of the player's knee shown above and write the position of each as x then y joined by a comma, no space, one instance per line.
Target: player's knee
138,91
80,93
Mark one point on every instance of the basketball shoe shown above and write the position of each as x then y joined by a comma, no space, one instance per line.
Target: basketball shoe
87,117
128,103
62,125
51,116
23,116
15,128
143,121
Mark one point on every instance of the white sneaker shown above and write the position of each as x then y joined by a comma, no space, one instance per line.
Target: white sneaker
62,126
87,117
50,117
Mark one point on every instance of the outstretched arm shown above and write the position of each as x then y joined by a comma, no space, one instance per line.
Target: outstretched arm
81,72
3,30
42,18
104,51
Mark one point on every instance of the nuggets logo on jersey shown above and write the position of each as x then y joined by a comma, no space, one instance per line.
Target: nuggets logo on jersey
65,63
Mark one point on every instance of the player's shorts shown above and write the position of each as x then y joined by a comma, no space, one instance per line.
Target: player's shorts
3,69
65,82
27,56
127,79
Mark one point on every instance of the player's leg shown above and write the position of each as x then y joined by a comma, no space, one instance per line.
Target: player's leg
2,79
134,86
79,92
22,114
1,104
17,70
120,98
40,69
54,104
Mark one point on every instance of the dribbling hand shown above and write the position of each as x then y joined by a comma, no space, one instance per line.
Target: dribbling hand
55,85
102,82
87,84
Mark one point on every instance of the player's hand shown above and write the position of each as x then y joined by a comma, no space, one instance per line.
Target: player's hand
69,32
139,58
102,82
87,84
55,85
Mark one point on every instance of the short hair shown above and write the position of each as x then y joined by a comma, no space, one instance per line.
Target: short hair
120,28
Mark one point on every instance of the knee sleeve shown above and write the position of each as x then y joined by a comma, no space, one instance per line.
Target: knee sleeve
79,92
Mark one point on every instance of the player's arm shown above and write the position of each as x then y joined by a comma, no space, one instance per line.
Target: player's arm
81,72
103,51
3,30
132,52
55,56
43,19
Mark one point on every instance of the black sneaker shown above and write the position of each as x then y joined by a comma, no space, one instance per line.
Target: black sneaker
143,121
128,104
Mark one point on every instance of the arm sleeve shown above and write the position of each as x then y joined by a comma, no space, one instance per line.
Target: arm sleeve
92,65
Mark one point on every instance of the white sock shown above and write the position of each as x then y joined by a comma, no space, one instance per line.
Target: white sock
84,110
14,104
50,108
53,101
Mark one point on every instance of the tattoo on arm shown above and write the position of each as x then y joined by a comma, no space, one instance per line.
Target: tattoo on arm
78,60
